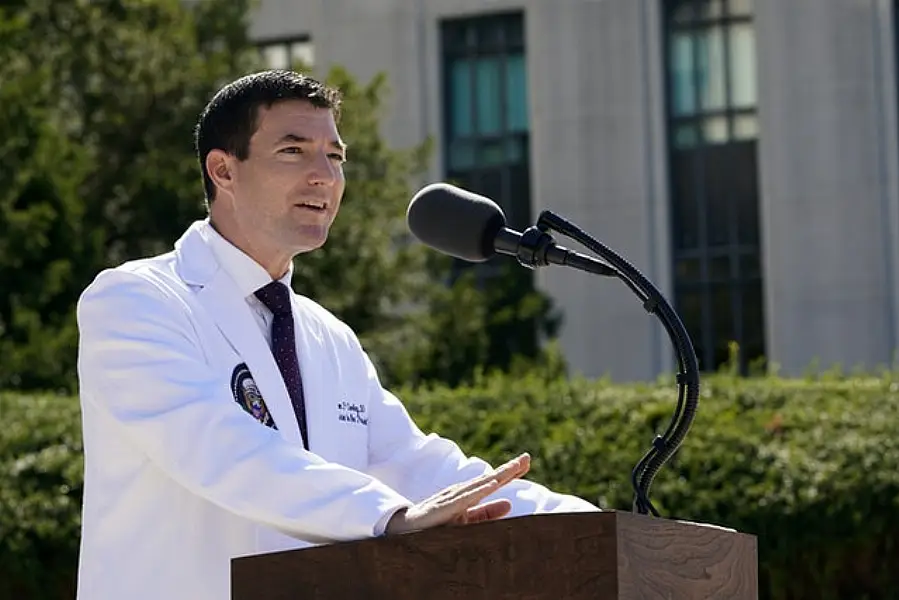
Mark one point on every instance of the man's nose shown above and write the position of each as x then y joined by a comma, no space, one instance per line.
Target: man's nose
323,171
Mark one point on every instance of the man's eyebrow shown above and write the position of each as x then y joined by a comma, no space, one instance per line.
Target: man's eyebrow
292,137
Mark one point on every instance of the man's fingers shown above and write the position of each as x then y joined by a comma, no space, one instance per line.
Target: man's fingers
513,469
473,496
488,511
456,503
505,473
524,465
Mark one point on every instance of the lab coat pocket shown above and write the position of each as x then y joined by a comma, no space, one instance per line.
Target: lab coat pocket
350,422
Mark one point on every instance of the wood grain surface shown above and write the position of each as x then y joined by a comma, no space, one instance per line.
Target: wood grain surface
566,556
660,559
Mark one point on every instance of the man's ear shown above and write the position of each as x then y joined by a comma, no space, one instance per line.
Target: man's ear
220,166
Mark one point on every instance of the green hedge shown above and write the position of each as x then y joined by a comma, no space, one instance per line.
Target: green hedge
40,490
809,466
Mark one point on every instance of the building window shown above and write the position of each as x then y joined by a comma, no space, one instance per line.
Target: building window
288,53
485,110
712,132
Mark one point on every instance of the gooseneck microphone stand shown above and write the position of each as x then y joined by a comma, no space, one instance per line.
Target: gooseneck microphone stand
532,252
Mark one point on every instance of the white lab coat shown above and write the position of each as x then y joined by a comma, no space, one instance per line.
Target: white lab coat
179,478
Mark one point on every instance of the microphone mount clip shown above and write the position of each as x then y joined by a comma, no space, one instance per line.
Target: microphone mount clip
532,247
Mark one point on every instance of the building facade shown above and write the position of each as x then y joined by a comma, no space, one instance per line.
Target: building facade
742,154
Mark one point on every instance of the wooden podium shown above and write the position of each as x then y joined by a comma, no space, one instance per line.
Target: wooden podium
603,555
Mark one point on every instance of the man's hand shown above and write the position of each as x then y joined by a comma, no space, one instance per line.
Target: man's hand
458,504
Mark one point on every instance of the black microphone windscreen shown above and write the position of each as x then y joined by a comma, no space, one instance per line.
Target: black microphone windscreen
455,221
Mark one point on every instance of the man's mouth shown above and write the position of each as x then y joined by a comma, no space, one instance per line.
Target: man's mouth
316,205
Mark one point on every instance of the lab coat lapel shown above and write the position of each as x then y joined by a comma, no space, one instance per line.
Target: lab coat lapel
234,319
221,298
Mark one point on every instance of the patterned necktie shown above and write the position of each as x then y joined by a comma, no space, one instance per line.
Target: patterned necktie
276,297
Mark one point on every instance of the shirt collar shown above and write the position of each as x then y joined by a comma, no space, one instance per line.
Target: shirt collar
248,274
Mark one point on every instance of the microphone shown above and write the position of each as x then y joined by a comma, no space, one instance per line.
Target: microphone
465,225
471,227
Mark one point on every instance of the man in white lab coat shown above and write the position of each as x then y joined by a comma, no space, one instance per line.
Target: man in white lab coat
225,415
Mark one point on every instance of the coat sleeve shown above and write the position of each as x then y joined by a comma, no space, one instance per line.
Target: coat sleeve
419,465
141,364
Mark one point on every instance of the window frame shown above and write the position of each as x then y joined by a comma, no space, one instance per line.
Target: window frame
286,41
691,199
508,27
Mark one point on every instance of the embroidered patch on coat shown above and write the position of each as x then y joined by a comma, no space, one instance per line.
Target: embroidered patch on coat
246,394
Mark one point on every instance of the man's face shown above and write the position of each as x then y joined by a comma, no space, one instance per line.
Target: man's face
287,192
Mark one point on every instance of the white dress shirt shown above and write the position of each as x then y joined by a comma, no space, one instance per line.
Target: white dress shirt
248,274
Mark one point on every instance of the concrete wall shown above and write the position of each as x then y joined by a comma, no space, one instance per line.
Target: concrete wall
597,151
598,159
828,168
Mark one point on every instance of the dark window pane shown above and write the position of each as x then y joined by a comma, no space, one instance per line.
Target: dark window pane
462,179
753,322
491,35
743,92
710,71
516,94
719,269
682,11
514,32
492,153
488,96
723,321
516,150
739,7
687,270
689,309
750,267
520,215
711,9
462,155
718,195
744,174
681,74
490,184
730,193
454,38
460,98
684,196
686,136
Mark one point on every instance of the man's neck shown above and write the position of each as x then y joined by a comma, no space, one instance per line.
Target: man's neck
276,264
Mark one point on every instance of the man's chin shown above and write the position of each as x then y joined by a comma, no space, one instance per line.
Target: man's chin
310,239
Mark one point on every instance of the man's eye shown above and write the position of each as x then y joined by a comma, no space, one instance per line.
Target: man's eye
292,150
335,156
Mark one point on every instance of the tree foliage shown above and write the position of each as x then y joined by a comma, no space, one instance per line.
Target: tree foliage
97,108
99,99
